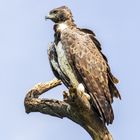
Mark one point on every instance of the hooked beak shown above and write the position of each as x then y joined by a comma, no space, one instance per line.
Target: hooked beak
49,17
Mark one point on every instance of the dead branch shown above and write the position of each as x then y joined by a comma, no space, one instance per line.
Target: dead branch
75,106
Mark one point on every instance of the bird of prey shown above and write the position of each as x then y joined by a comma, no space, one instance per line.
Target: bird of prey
76,58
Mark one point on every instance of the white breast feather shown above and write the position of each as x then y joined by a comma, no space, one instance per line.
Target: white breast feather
65,67
62,26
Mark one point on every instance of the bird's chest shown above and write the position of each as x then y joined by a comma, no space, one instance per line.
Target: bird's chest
64,64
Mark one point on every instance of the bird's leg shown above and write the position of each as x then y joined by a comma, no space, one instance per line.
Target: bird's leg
65,95
77,97
81,91
69,96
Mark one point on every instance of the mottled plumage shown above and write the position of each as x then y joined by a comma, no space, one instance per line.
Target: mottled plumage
76,57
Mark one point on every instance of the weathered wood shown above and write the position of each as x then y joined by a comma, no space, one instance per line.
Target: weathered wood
75,106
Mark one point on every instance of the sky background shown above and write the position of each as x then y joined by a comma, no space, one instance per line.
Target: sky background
24,37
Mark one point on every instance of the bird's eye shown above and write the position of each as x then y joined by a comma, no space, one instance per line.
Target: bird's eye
55,11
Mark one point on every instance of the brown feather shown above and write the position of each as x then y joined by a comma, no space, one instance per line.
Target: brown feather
93,68
111,78
87,62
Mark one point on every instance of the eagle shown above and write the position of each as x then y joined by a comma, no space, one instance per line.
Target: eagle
76,59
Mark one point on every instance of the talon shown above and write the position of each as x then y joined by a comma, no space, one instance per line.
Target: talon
81,91
81,88
87,95
72,92
65,95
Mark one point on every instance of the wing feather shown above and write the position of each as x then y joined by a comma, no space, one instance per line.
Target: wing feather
53,59
91,68
90,64
96,82
111,78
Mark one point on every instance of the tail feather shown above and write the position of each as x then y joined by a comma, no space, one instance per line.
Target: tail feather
111,83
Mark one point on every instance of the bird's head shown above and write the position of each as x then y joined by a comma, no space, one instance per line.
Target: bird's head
60,15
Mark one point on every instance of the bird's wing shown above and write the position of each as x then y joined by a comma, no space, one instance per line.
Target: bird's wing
90,65
111,78
53,60
55,65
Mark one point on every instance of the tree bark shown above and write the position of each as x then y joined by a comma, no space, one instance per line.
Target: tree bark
75,106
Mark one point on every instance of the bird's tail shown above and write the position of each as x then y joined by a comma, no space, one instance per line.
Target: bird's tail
112,80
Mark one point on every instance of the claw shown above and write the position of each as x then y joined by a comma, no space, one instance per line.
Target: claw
81,91
65,95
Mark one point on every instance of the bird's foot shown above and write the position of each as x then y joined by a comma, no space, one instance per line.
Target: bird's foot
65,95
81,91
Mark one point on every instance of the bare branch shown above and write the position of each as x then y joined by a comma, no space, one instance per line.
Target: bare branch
75,106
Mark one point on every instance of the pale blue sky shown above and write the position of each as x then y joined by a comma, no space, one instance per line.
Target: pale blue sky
24,37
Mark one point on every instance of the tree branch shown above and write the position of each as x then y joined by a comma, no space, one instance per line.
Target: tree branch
75,106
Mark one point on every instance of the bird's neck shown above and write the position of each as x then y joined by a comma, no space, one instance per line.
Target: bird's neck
60,27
